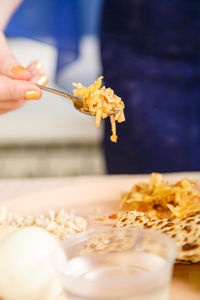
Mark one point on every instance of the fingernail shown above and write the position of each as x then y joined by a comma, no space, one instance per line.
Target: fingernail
42,80
38,65
32,95
18,70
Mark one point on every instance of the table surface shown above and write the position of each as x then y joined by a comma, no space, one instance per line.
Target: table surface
23,190
10,188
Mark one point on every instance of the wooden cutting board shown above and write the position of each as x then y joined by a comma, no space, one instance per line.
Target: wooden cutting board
101,195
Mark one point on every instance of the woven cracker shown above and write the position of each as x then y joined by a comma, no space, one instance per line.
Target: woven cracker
185,232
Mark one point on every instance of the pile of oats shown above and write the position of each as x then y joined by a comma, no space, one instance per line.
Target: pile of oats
61,224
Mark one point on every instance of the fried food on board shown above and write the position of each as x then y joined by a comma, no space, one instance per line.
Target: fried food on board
163,199
185,231
101,101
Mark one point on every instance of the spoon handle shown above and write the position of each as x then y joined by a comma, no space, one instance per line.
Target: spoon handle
57,92
78,103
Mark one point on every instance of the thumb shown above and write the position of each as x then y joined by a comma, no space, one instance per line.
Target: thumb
12,89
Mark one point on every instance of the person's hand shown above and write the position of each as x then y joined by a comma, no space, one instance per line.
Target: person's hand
17,83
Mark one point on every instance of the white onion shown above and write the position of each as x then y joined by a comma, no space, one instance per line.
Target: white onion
25,264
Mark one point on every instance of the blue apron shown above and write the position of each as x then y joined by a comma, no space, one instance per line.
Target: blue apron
151,58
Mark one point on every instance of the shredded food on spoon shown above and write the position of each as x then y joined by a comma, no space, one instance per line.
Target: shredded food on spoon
163,199
101,101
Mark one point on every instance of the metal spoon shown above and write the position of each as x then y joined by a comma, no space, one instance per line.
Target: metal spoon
78,103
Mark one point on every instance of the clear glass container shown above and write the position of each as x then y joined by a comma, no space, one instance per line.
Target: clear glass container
117,263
